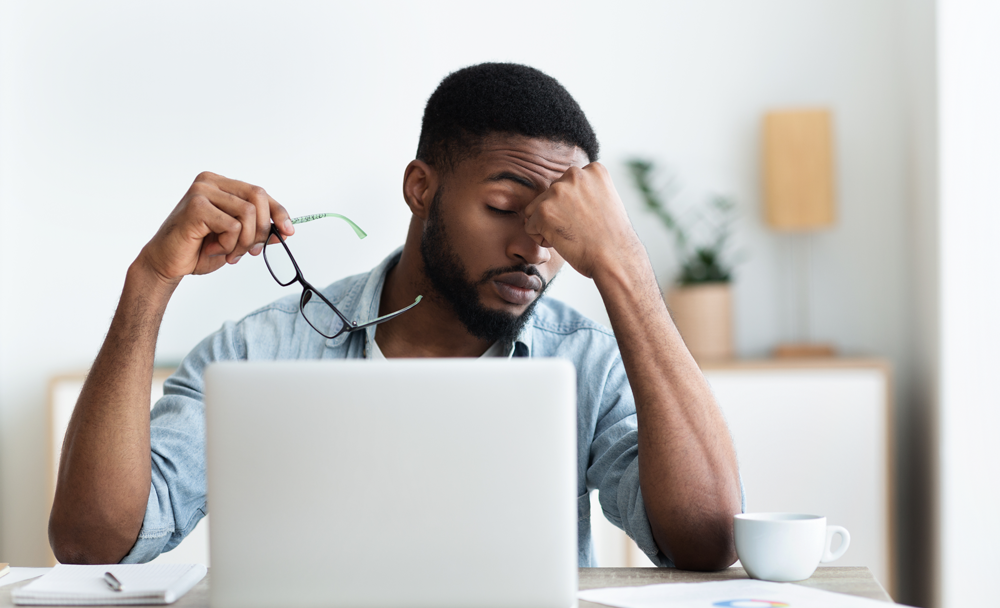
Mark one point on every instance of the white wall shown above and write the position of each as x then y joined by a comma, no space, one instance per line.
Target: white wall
109,109
970,326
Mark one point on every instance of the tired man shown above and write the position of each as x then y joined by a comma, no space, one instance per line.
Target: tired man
504,191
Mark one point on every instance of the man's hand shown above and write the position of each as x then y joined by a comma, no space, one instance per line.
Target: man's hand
582,217
216,222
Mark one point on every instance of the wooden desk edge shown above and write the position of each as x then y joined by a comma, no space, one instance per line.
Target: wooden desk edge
850,580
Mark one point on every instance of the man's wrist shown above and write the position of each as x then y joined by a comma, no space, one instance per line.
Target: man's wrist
143,278
626,268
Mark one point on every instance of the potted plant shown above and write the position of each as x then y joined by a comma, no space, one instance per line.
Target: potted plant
700,300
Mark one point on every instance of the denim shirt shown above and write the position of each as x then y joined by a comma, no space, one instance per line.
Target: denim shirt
607,438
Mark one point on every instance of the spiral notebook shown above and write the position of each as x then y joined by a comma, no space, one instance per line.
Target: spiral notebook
67,585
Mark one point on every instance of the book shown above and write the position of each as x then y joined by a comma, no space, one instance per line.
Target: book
4,569
67,585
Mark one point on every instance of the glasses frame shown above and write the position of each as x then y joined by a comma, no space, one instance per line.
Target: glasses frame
308,288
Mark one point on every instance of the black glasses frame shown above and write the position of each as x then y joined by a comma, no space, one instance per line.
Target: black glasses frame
308,291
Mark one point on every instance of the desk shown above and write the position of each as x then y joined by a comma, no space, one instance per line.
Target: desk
853,580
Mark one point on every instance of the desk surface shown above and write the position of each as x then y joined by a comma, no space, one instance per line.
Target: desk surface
854,581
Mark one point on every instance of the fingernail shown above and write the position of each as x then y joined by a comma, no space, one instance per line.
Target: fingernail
236,259
288,226
256,249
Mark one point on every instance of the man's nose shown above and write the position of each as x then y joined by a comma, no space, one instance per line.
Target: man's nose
524,248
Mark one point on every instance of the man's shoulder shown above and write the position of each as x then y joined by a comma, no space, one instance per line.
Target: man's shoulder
556,322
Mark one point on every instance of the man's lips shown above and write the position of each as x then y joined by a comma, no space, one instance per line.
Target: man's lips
517,288
519,279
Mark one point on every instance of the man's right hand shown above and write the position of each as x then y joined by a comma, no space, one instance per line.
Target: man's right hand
216,222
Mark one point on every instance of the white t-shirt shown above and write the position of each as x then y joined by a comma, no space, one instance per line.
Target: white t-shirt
373,353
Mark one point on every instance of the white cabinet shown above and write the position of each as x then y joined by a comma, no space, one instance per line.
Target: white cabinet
811,437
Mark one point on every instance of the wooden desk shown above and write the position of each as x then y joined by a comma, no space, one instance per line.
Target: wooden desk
852,580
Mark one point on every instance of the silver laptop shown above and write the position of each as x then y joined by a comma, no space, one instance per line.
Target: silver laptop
409,483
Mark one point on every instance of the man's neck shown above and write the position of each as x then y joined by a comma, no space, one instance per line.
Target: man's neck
431,329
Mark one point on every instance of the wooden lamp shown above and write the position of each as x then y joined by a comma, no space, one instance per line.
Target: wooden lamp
798,200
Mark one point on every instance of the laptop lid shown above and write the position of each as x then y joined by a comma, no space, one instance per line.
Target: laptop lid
448,482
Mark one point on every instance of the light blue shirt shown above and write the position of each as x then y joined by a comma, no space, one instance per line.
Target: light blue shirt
607,438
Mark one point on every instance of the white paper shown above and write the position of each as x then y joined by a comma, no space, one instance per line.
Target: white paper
17,575
85,585
741,593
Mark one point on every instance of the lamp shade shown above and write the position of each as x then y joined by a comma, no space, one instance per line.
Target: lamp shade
798,170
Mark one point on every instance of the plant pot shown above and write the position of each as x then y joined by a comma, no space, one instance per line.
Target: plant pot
703,315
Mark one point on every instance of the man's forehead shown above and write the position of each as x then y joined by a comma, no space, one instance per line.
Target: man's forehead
538,158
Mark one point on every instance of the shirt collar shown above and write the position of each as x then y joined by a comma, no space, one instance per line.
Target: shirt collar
522,344
362,300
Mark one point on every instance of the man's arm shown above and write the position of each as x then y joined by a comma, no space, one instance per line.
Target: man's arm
687,465
103,481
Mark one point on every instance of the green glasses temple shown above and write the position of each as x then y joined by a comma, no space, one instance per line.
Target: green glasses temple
308,218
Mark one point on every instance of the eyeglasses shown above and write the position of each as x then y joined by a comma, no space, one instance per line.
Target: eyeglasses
315,308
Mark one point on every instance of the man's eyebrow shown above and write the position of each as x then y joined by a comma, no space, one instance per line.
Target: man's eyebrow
512,177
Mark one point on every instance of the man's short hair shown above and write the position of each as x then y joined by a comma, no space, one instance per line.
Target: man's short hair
499,99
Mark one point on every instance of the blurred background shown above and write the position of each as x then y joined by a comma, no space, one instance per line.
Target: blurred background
109,109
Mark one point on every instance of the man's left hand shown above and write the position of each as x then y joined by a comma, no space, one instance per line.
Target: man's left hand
582,217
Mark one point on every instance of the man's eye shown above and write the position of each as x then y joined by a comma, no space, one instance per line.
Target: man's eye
501,211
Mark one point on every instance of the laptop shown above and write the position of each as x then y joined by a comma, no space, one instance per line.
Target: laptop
408,483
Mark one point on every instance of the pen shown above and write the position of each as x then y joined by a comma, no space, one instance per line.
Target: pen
112,582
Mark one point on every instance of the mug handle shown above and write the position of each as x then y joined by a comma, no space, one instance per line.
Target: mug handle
845,541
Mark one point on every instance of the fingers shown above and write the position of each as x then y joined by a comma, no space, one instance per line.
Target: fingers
282,221
533,221
226,230
258,231
281,218
244,212
253,207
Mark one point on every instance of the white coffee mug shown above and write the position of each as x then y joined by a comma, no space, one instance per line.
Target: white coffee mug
786,546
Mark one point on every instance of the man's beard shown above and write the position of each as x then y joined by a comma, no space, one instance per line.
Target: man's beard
449,278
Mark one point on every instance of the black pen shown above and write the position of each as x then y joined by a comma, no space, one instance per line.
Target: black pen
112,582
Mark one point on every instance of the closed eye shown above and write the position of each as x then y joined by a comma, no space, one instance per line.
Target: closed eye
500,211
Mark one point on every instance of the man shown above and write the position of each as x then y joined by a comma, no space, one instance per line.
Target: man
504,190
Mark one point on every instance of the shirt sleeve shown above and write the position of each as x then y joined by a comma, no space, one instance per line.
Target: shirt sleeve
177,494
614,464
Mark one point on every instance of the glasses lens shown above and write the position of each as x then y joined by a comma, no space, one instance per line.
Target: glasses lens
320,315
279,262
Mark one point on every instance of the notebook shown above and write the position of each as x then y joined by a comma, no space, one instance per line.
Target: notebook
67,585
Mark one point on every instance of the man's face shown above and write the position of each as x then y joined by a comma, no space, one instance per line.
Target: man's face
475,249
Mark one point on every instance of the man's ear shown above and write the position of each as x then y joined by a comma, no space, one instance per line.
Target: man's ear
420,183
